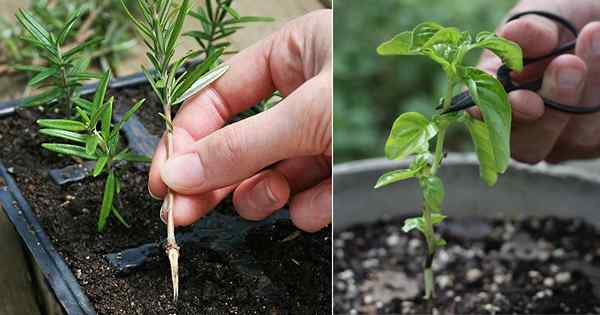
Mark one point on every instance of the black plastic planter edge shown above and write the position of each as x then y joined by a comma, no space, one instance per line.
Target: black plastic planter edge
58,275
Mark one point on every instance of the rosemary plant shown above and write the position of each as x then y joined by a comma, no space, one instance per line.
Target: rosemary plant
161,25
412,132
219,20
98,18
63,71
93,137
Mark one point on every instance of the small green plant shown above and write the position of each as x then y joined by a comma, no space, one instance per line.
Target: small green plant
63,71
219,20
161,27
93,137
411,132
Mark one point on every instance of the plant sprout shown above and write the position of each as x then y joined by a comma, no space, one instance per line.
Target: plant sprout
161,27
63,70
93,137
411,132
219,20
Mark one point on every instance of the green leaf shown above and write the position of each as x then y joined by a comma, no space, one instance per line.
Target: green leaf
132,157
249,19
176,30
101,90
64,124
107,201
119,217
510,52
409,42
83,46
42,76
143,29
34,27
68,135
483,147
232,12
106,119
196,74
127,116
433,192
440,242
68,149
100,164
394,176
90,144
88,106
410,134
43,99
202,82
68,26
419,222
489,95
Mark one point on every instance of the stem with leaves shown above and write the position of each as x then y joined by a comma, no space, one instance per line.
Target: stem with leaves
412,132
161,25
64,71
92,136
219,20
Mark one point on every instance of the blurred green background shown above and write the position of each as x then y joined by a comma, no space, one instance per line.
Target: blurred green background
370,90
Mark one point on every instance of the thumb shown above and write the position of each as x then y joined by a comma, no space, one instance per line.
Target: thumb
298,126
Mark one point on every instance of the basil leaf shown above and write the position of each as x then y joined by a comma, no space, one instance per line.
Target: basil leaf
510,52
419,222
492,100
410,134
395,176
483,147
433,192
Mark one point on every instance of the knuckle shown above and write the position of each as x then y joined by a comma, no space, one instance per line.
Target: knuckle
315,122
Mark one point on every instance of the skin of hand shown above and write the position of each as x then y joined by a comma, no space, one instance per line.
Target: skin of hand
541,133
278,156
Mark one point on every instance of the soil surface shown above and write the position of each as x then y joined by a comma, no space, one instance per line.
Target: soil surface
288,277
518,266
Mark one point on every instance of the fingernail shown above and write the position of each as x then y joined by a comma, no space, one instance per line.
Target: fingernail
184,171
264,196
163,212
570,78
152,195
596,43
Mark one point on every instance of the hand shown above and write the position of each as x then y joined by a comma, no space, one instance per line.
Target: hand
541,133
280,155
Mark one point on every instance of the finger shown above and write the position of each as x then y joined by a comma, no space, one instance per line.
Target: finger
310,210
527,106
298,126
189,209
536,35
580,137
304,172
563,82
182,142
282,61
259,196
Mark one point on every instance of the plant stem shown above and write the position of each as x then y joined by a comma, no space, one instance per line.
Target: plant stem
429,231
171,247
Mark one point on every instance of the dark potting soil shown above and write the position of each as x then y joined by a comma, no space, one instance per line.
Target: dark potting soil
294,275
519,266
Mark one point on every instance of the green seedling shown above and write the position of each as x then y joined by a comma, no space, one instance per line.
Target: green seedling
412,132
93,137
161,25
219,20
64,70
98,18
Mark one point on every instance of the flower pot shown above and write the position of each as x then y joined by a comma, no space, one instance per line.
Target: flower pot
227,264
372,253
